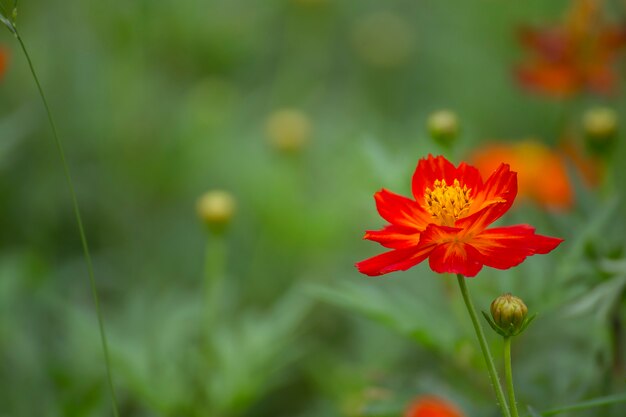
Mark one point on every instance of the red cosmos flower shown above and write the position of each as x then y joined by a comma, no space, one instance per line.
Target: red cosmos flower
573,56
431,406
446,222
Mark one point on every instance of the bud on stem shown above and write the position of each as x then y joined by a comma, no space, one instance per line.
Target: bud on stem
509,315
600,126
443,126
216,209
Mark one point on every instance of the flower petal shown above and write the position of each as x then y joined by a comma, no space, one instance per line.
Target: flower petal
601,78
428,171
455,258
501,185
401,211
478,222
395,260
505,247
496,198
554,79
550,44
392,236
450,253
470,176
439,168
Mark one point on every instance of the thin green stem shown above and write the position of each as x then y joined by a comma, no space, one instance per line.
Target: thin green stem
214,267
79,221
493,375
508,372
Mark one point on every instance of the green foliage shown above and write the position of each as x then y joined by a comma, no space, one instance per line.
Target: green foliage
160,101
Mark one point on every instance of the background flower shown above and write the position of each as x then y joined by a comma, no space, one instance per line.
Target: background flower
4,60
431,406
576,55
541,172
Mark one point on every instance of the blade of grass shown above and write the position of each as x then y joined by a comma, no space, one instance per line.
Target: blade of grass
596,402
79,221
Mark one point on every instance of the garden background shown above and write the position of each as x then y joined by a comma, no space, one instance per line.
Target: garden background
301,110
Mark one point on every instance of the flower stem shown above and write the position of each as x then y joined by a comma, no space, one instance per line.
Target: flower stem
213,274
493,375
508,372
79,222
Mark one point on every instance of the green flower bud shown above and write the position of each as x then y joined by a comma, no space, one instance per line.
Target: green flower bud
443,127
600,127
508,315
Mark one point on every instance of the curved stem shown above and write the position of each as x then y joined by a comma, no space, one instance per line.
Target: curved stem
508,372
493,375
79,222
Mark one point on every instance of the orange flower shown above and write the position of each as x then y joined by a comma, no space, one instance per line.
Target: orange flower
541,172
577,55
431,406
4,60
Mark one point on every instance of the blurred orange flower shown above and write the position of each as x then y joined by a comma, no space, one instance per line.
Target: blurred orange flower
4,60
574,56
541,172
431,406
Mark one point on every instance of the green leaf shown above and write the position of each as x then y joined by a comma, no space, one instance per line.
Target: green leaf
598,300
533,413
596,402
424,319
8,15
250,352
7,23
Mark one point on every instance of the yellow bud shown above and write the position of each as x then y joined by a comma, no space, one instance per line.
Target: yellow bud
216,209
443,126
508,313
600,125
288,130
384,40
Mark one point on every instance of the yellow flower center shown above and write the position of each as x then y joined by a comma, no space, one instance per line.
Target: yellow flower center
447,203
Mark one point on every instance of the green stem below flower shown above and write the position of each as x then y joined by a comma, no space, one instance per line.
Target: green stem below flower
493,375
508,372
214,269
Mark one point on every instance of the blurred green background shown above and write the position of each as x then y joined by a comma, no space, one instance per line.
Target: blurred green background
159,101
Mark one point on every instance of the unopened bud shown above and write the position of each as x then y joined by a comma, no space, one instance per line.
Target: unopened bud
443,127
600,126
216,209
288,130
508,315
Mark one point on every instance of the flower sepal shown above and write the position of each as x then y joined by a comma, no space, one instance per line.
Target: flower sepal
510,330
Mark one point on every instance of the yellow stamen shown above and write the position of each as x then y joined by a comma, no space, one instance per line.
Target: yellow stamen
447,203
